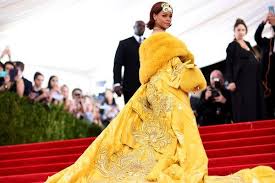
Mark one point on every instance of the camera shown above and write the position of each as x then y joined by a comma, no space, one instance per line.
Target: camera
215,92
216,89
217,83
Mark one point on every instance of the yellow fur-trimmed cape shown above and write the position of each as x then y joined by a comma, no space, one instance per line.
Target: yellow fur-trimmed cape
157,50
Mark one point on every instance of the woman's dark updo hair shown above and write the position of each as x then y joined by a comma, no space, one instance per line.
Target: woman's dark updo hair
240,22
156,8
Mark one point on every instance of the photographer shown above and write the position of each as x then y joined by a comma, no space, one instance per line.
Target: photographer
215,106
264,36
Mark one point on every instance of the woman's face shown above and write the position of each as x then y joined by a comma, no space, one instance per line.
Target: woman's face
39,81
65,91
240,31
163,19
54,82
109,95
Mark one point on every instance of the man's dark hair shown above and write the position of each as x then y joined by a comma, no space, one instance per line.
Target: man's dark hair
76,89
36,75
20,65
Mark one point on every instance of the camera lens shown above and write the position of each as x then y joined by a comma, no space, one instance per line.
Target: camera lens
215,93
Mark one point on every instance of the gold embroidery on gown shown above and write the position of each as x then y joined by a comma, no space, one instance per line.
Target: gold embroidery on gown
155,137
125,165
152,135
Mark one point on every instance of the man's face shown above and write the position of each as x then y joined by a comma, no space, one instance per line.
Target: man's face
139,28
77,94
215,77
39,81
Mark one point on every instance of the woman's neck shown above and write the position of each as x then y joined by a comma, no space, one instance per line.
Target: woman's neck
157,29
239,39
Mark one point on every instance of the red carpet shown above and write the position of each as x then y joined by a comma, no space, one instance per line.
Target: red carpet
229,148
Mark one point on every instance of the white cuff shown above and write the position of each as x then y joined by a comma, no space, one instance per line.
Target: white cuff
116,84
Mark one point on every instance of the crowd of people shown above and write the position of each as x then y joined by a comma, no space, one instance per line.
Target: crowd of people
100,109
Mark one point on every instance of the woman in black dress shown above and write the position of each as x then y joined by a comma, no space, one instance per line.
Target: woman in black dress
244,77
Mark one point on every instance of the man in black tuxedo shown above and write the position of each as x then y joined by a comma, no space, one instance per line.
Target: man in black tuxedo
127,55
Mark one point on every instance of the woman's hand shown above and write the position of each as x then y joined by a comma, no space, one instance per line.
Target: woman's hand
231,87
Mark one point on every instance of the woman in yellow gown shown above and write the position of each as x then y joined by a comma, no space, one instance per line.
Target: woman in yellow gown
155,137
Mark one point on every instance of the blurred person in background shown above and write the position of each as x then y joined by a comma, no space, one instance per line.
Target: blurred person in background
76,93
76,106
215,105
66,100
87,108
37,93
90,112
264,36
8,66
54,92
244,76
13,83
27,84
6,81
109,107
18,85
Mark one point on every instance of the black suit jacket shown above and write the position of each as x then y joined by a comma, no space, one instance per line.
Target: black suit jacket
127,55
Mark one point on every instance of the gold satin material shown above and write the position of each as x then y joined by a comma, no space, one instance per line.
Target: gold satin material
155,138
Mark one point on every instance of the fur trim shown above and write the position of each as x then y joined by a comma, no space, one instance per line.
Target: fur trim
157,50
